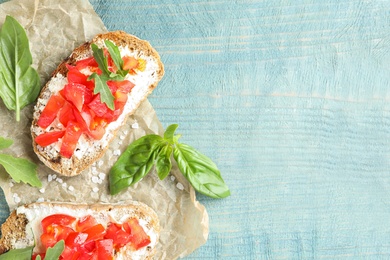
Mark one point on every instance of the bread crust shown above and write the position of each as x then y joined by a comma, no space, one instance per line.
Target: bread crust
74,165
14,228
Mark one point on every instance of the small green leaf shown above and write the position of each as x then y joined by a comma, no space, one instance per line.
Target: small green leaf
101,60
102,88
19,254
19,82
20,169
115,54
200,171
53,253
163,161
135,163
5,143
170,132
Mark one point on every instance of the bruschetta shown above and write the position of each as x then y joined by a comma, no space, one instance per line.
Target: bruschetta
89,97
100,231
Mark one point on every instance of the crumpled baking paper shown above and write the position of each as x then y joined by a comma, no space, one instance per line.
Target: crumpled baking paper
54,29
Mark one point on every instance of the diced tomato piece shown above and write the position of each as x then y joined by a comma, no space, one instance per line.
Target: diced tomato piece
104,249
125,86
119,236
70,253
66,114
88,62
75,76
120,97
77,94
58,219
138,237
97,128
129,63
99,108
48,138
50,111
85,223
76,239
48,240
112,85
95,232
69,141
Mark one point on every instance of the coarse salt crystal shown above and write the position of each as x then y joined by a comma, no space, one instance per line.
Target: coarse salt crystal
135,125
59,180
64,184
122,137
180,186
95,189
40,199
95,179
71,188
42,190
100,163
102,175
17,199
172,178
117,152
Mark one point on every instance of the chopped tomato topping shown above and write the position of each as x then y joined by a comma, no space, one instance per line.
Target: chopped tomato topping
70,139
66,114
50,111
86,239
79,110
138,237
77,94
85,223
129,63
58,219
48,138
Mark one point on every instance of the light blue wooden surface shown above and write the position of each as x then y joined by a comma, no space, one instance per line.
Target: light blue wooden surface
291,99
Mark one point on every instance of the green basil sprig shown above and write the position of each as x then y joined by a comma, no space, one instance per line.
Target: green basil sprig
140,156
19,169
101,86
19,82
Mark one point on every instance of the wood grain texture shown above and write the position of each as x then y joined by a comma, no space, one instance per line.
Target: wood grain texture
291,99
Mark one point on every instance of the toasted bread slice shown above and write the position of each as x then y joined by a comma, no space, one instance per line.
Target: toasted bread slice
23,227
89,150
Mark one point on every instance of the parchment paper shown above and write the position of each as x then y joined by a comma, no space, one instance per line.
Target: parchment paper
54,29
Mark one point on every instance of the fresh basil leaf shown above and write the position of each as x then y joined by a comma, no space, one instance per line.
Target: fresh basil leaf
102,88
20,169
53,253
115,54
200,171
134,163
19,254
163,161
5,143
169,132
20,83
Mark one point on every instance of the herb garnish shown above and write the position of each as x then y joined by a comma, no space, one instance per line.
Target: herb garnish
19,169
20,83
140,156
101,86
20,254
